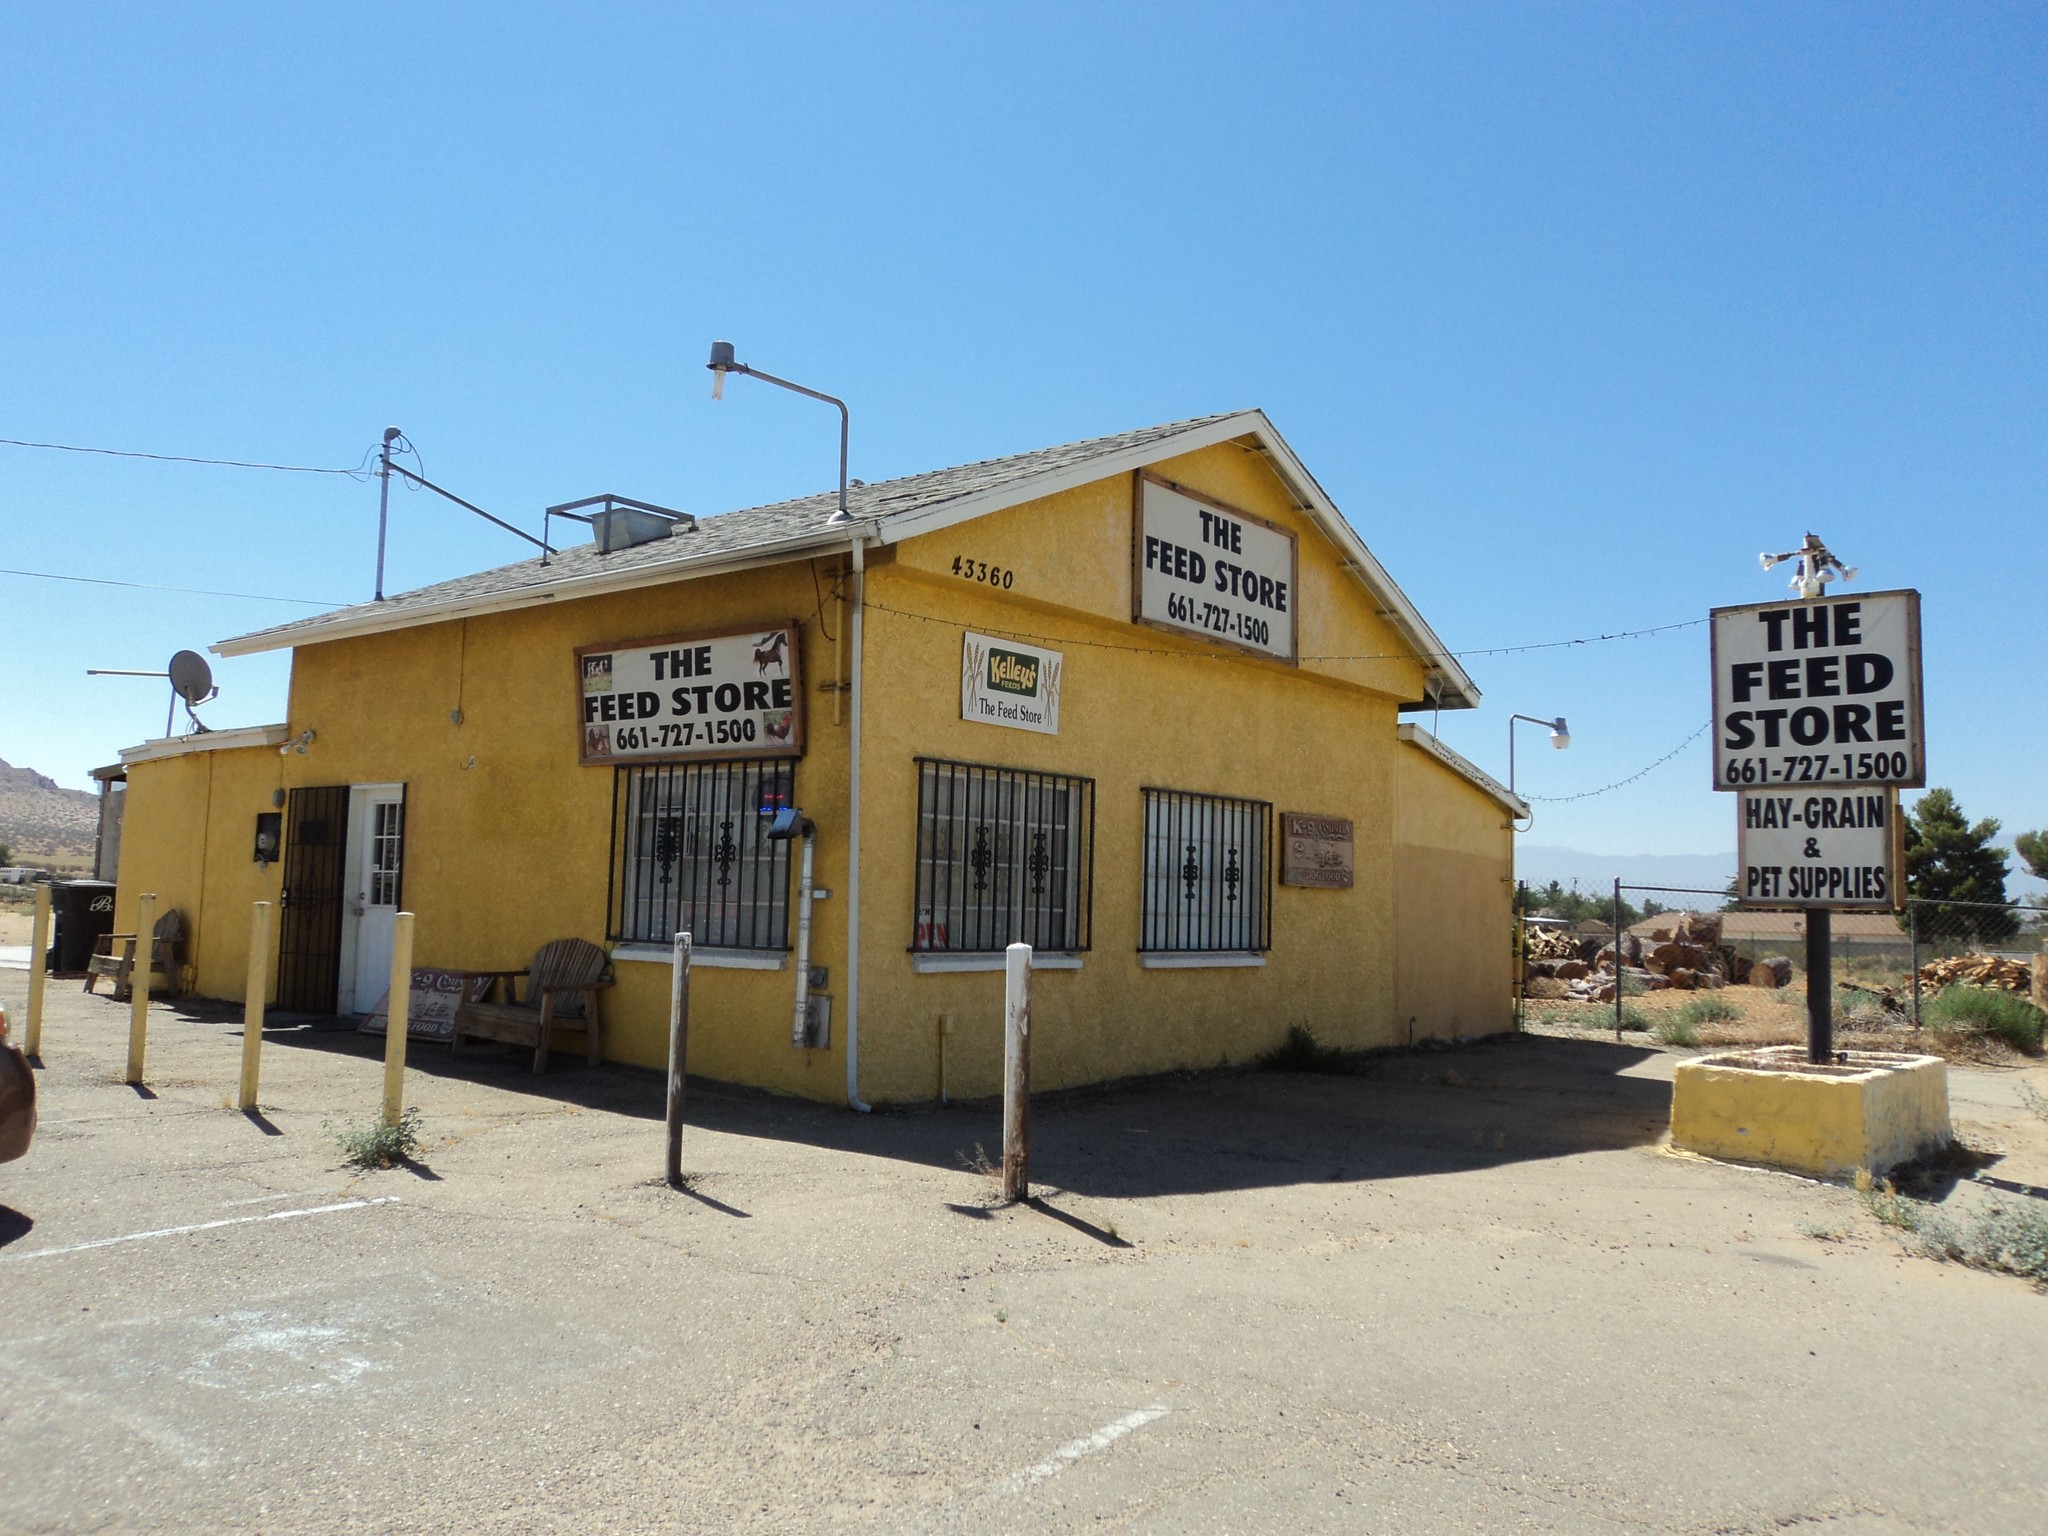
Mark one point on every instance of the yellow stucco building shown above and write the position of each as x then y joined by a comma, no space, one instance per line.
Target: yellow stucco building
1134,701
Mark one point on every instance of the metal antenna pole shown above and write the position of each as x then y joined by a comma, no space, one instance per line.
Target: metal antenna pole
383,502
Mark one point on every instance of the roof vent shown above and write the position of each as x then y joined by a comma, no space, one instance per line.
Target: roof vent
619,522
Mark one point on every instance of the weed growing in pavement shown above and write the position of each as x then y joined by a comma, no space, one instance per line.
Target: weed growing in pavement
1710,1008
2009,1239
1991,1011
378,1145
1677,1029
979,1162
1821,1231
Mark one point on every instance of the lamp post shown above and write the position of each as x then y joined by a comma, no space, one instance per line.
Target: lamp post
1560,738
722,363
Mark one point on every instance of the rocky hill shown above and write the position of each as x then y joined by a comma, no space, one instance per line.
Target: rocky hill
40,818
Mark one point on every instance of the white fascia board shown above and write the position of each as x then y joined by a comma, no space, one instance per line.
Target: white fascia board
468,607
1458,689
1464,768
210,741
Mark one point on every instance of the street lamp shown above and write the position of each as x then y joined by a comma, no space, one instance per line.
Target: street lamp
1560,738
722,363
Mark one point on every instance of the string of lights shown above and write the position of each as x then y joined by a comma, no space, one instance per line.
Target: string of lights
1588,794
147,586
360,472
1143,650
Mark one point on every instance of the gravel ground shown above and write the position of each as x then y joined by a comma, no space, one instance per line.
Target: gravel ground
1466,1290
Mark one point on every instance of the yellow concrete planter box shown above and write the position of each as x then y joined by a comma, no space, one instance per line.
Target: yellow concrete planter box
1875,1110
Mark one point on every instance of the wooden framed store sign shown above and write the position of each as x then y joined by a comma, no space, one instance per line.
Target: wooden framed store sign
1205,569
732,693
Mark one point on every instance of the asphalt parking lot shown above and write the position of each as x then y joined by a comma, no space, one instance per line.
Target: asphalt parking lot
1468,1291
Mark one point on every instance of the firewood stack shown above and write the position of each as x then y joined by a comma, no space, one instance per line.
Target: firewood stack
1690,956
1977,971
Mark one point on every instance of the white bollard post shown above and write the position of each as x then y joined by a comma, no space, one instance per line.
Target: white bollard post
138,984
1017,1072
38,963
678,1056
397,1018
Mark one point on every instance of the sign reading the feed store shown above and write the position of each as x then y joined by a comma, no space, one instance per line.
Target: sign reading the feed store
1315,851
1833,849
1206,569
733,694
1006,682
1819,691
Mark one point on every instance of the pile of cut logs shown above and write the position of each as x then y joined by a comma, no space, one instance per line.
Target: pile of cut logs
1687,957
1977,971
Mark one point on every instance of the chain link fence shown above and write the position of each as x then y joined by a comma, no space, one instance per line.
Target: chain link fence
1893,962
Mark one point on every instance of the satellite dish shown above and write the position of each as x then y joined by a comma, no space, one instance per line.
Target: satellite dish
191,678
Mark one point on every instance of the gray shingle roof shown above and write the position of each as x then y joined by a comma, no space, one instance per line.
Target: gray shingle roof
725,535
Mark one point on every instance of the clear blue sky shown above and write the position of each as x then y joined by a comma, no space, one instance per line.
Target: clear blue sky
1572,309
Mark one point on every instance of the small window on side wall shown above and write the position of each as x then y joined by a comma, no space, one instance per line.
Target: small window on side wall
1208,874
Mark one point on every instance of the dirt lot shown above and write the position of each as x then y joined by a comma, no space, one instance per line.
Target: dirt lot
1467,1290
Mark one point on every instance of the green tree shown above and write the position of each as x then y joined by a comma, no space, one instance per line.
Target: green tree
1951,863
2033,851
6,854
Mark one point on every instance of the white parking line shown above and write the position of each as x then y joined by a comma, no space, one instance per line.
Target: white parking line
1074,1450
197,1226
290,1194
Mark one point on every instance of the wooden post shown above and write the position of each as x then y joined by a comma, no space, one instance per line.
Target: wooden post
138,984
678,1056
397,1017
38,961
256,993
1017,1072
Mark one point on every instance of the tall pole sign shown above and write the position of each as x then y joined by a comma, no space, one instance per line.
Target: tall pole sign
1818,723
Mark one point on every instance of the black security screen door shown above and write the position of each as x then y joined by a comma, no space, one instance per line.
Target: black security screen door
309,936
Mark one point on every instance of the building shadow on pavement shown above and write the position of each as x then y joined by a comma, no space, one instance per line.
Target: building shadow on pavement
1403,1113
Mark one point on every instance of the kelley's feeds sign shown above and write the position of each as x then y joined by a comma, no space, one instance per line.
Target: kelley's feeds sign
1206,569
1820,691
733,694
1006,682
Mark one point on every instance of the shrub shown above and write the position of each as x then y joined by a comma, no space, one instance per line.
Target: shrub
1963,1010
1301,1051
1677,1029
378,1145
1709,1008
1634,1018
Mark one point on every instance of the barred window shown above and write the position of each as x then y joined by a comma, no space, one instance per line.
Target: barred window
1208,873
1004,855
690,854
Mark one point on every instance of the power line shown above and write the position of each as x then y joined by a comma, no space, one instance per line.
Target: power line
146,586
1620,783
360,472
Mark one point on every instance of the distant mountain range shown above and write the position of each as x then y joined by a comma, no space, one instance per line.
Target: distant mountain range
1539,864
39,818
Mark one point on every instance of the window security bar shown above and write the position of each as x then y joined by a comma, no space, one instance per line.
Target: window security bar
690,853
1004,855
1208,874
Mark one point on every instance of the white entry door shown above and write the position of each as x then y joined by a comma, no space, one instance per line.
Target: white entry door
376,861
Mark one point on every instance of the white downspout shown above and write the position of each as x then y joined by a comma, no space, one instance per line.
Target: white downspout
799,1030
853,1098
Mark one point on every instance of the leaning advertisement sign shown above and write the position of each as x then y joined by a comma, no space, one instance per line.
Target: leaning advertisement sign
1822,691
1206,569
1006,682
1819,850
730,694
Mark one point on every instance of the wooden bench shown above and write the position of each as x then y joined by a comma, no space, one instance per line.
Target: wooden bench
561,993
114,957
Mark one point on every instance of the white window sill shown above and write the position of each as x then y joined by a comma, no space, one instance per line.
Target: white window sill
710,959
942,964
1202,960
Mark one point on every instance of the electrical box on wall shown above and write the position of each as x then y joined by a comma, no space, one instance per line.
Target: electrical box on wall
269,833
